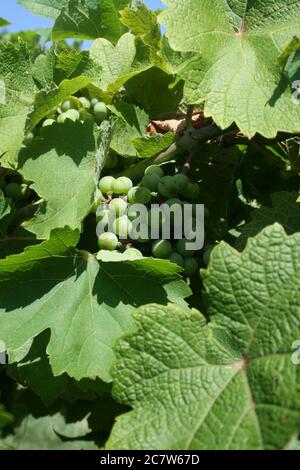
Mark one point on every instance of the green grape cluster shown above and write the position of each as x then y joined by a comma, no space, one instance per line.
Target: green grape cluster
116,203
74,109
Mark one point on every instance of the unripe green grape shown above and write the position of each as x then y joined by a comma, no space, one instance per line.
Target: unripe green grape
122,185
106,184
154,170
16,191
173,202
192,191
28,139
133,253
180,182
190,266
166,187
122,226
94,101
181,248
72,114
48,122
111,161
108,241
177,259
138,195
118,207
85,102
100,112
70,103
103,217
151,182
207,254
162,249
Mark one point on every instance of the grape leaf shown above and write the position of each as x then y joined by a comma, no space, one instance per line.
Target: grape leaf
157,92
119,63
285,210
48,433
90,19
152,144
229,384
86,304
130,124
235,77
47,8
62,165
142,22
17,90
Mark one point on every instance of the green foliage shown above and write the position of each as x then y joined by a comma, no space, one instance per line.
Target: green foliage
105,342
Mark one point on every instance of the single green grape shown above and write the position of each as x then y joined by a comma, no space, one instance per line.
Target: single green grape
28,139
177,259
137,195
154,170
70,103
122,226
122,185
192,191
111,161
100,112
85,102
182,249
151,182
106,184
190,266
207,254
162,249
133,253
108,241
180,182
166,187
72,114
94,101
118,207
16,191
173,202
48,122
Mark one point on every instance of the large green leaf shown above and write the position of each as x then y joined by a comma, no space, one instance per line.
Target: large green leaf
62,165
233,74
16,95
229,384
119,63
87,304
48,8
90,19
